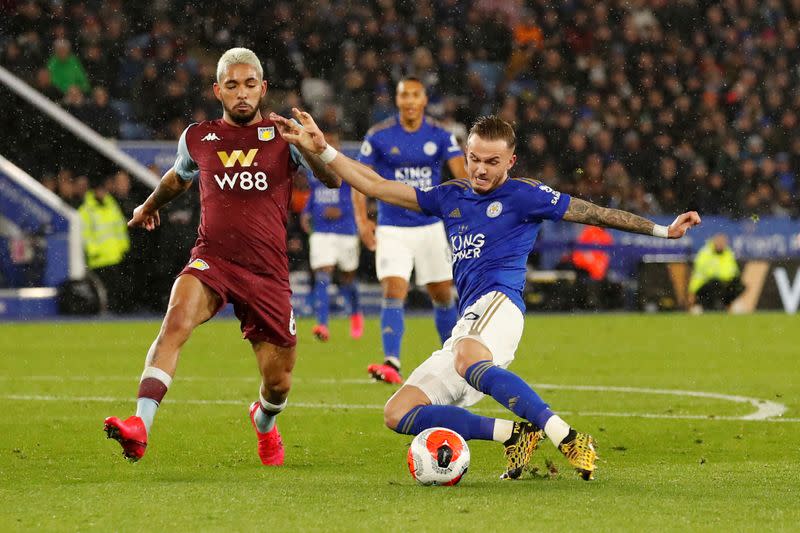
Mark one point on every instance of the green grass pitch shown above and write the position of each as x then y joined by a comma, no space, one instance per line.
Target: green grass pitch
669,460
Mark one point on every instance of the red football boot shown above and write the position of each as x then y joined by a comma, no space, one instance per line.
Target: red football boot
356,325
320,331
385,373
130,433
270,445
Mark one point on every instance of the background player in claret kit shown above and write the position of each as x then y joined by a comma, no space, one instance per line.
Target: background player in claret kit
409,148
328,218
492,221
245,174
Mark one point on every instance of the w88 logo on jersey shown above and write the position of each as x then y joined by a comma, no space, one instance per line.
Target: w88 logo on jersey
244,180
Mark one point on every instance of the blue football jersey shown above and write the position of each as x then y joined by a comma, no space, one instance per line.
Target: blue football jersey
323,197
414,158
491,235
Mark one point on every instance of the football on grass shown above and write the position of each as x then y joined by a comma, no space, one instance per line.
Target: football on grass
438,456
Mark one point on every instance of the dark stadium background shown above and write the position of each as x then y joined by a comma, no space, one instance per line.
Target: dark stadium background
651,106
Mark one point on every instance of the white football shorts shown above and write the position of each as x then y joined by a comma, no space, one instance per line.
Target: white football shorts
423,249
496,322
333,249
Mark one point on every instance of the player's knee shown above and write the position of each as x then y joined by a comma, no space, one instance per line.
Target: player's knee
393,413
466,353
278,383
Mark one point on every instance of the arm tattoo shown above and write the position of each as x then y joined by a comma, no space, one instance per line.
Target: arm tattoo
589,213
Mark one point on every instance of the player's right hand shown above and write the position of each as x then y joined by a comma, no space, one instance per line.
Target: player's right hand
682,223
366,230
303,132
142,218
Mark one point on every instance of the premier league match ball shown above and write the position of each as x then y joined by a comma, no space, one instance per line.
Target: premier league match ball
438,456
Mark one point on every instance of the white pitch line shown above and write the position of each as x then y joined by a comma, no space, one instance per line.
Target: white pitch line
318,405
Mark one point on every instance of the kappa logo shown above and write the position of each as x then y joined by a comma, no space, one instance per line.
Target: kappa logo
199,264
211,137
455,213
243,159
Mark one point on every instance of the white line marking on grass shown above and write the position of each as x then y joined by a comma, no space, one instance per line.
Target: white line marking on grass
766,410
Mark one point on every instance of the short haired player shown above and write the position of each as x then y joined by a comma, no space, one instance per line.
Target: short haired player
492,221
409,148
244,171
333,243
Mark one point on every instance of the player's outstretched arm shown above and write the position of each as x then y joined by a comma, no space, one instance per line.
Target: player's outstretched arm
588,213
321,170
146,215
308,136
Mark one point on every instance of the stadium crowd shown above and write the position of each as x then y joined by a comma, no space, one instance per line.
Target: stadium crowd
646,105
651,106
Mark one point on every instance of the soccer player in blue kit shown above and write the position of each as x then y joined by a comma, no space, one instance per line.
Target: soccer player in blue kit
492,221
409,148
328,219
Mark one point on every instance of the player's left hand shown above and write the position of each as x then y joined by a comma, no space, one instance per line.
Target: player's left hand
305,135
682,223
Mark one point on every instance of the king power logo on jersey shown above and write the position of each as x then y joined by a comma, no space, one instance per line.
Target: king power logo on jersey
467,246
230,159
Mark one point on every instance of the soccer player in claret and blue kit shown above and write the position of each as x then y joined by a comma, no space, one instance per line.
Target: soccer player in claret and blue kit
244,171
492,221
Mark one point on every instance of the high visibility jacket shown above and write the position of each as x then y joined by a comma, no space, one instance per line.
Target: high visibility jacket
104,231
595,262
709,265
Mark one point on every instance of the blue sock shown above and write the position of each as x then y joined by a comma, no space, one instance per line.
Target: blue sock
466,424
445,319
392,326
321,301
509,390
350,293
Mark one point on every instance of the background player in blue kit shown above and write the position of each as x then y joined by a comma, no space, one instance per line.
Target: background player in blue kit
492,222
409,148
332,242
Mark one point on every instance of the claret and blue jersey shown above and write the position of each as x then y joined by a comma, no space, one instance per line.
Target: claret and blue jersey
414,158
491,235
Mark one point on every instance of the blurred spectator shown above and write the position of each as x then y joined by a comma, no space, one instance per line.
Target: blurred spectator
101,117
106,242
66,69
591,266
44,84
715,281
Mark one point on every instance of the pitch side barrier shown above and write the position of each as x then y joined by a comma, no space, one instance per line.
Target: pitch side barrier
27,207
78,128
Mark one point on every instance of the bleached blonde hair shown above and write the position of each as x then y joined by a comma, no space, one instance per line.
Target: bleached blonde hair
236,56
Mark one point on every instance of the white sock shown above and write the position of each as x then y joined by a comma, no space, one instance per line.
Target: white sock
265,421
502,430
146,406
146,410
556,429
